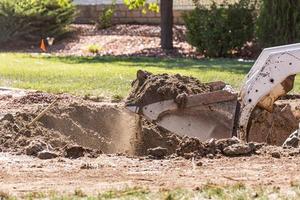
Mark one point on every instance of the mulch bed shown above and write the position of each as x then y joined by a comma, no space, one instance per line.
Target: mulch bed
119,40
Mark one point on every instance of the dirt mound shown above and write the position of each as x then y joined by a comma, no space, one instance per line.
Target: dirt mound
170,145
273,128
194,148
96,127
149,88
152,136
75,127
35,97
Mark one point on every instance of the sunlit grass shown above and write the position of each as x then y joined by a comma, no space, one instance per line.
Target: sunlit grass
237,191
105,76
108,76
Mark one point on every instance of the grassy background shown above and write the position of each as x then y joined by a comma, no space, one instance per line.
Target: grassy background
209,191
107,76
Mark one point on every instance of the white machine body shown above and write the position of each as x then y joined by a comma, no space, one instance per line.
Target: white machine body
271,76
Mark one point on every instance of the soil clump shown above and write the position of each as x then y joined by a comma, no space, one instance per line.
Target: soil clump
148,88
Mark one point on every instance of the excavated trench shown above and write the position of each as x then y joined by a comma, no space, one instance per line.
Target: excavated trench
108,127
88,126
75,127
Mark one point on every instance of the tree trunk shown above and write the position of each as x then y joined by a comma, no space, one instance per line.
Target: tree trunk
166,24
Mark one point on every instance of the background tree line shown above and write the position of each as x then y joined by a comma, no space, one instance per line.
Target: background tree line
219,30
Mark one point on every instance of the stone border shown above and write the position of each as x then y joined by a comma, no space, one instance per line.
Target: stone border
90,14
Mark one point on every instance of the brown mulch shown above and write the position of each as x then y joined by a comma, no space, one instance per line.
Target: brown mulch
119,40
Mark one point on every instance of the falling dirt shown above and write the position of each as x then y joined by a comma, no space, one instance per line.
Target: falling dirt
97,127
152,136
270,128
74,127
100,146
96,145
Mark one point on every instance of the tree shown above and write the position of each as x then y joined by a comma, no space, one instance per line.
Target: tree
166,18
166,24
278,22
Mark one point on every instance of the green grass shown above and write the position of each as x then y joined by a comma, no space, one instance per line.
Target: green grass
107,76
209,191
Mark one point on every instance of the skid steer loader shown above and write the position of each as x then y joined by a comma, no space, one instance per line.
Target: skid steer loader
223,113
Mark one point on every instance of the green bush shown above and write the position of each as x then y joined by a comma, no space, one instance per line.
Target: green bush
34,19
105,17
94,49
220,31
278,22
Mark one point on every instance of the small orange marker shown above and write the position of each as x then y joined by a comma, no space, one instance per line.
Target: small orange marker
43,46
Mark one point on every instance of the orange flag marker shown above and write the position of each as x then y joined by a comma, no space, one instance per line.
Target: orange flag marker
43,46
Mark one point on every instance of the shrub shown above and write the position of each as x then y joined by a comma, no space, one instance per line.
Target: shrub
105,17
278,22
34,19
94,49
220,31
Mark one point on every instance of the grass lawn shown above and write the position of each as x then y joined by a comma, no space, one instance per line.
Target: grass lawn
209,191
107,76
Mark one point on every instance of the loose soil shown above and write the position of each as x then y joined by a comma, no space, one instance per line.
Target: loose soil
112,151
20,175
148,88
71,121
103,127
274,128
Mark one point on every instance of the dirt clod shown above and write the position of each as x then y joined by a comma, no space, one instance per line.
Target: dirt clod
9,117
191,147
276,154
34,148
239,149
210,156
148,88
46,155
199,163
158,152
74,152
87,166
223,143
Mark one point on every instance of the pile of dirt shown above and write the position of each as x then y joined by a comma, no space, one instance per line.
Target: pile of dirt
73,127
151,136
266,127
172,145
193,148
274,127
35,98
148,88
